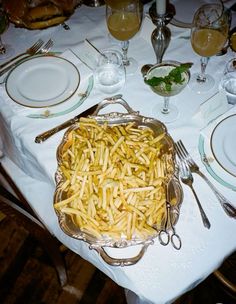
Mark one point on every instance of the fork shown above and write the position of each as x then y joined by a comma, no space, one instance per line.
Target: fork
30,51
46,48
43,50
183,154
187,178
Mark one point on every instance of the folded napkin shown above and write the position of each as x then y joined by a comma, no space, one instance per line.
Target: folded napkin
74,101
210,109
207,130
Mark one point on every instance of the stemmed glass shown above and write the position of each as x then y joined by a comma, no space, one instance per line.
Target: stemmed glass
167,113
123,22
6,51
208,36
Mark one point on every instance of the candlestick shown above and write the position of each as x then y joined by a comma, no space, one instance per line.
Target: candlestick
161,35
160,38
161,7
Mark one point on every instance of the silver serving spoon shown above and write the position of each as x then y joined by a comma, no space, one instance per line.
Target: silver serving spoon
145,68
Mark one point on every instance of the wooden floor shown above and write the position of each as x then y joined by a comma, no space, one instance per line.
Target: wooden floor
28,277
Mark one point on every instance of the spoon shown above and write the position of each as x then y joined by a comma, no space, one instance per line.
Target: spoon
145,68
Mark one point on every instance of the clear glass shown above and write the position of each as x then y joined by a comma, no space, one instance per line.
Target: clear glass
167,112
6,50
123,22
228,81
208,36
109,74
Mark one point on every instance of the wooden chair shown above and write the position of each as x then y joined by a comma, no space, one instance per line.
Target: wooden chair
16,207
226,275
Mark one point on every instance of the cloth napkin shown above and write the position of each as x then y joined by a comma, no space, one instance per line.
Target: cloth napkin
210,109
207,131
85,73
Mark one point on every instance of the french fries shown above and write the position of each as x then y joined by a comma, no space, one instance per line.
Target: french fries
113,180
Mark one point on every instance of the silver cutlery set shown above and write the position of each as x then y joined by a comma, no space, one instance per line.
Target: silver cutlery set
38,48
187,166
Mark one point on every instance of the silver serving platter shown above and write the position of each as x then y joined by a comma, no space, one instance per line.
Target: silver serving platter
65,221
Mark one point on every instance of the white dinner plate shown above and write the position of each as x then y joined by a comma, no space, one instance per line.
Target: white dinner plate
212,166
42,81
223,144
185,10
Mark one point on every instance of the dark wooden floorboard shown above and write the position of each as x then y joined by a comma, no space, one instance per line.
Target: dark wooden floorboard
27,276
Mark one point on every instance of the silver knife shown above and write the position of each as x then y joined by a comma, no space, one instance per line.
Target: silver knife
42,137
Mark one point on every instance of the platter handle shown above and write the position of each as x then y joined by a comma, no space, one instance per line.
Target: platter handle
123,261
117,99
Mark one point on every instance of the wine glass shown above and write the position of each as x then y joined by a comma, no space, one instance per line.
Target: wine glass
166,113
208,36
123,22
6,50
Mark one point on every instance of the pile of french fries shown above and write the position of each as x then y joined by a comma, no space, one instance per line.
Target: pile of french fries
114,182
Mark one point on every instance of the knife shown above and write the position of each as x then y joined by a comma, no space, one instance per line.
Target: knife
94,109
42,137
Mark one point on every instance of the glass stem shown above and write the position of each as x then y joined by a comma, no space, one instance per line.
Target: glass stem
202,76
165,109
2,47
125,46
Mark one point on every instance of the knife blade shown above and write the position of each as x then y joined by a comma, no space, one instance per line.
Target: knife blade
45,135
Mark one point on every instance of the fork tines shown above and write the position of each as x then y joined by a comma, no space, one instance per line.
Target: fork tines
181,150
44,49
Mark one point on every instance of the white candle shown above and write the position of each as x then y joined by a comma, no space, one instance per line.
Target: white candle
161,7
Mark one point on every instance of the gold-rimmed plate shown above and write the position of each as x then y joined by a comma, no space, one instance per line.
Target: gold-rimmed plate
42,81
223,144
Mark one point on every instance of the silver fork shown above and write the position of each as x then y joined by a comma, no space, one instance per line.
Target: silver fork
187,178
30,51
43,50
183,153
46,48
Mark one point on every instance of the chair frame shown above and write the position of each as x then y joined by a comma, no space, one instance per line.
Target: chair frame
17,208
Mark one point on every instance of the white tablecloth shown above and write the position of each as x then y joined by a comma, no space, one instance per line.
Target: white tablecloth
163,273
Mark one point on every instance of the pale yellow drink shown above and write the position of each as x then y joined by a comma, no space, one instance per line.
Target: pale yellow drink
123,25
207,42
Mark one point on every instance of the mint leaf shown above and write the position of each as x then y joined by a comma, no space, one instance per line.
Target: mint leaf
173,77
154,81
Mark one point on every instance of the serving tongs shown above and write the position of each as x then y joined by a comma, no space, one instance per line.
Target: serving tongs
168,234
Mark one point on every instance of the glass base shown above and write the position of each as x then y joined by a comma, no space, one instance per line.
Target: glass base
171,116
132,67
9,52
201,87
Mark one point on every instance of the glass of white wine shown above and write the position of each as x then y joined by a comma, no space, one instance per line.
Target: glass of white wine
209,34
167,79
123,21
6,50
